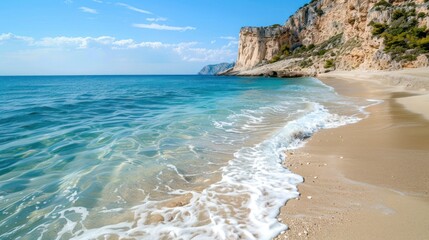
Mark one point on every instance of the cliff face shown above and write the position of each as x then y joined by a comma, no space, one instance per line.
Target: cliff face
259,45
335,34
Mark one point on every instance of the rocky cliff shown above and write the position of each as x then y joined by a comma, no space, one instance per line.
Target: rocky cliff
327,35
216,68
260,44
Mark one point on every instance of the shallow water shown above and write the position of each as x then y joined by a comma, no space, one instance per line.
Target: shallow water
154,157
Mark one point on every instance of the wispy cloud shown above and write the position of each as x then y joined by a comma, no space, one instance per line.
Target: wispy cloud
158,19
86,42
187,51
193,54
154,45
162,27
10,36
131,44
75,42
132,8
68,1
107,41
88,10
124,42
228,38
97,1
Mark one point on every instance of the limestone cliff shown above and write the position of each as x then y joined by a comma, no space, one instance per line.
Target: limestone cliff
339,34
259,44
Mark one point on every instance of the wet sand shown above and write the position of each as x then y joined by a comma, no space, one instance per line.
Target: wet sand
368,180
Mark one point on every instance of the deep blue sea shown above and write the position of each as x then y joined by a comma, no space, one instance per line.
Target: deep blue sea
155,157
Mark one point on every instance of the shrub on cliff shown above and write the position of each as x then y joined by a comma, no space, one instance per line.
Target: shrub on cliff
275,25
381,5
311,47
329,63
378,28
306,63
284,51
275,59
403,39
322,52
424,43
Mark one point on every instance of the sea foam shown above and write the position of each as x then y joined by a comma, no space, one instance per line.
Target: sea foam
155,157
243,204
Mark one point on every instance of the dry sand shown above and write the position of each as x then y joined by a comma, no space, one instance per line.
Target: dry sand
368,180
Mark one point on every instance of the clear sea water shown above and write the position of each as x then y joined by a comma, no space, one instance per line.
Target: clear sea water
154,157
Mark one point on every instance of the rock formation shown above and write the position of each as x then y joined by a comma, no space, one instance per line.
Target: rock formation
216,68
259,45
326,35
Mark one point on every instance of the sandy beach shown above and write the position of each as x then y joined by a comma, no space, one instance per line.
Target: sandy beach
368,180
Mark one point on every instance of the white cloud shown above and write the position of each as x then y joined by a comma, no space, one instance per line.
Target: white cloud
158,19
131,44
213,42
68,1
85,42
206,55
149,45
5,36
187,51
134,8
191,53
163,27
108,41
9,36
76,42
97,1
123,42
228,38
88,10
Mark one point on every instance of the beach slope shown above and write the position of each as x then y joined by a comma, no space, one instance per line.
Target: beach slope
368,180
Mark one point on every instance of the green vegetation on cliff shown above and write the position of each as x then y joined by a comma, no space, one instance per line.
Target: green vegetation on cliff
308,51
403,38
329,63
398,28
282,54
382,5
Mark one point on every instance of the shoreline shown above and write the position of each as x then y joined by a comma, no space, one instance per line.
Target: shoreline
368,180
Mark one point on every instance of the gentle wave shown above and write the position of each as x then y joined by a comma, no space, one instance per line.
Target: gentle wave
155,157
242,205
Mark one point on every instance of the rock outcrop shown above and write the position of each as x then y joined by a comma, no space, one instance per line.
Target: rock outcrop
259,45
216,68
325,35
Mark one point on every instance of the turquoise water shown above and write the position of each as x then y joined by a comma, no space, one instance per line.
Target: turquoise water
154,157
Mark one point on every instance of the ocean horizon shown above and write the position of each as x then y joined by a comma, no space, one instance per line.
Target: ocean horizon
155,156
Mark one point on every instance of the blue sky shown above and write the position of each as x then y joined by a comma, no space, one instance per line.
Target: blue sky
127,36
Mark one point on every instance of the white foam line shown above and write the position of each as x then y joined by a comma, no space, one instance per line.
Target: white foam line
243,204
